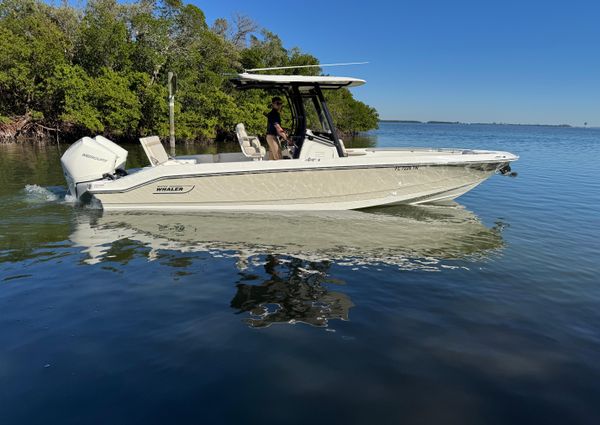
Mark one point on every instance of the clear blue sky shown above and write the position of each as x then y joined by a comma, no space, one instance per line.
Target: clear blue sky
527,61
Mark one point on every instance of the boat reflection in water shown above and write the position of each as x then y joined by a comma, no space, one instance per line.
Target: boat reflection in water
297,250
295,291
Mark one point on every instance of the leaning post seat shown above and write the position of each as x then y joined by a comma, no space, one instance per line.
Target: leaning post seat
250,145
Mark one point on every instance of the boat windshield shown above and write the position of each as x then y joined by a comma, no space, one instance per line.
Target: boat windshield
315,117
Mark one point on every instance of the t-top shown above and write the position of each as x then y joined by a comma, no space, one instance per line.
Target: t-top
273,118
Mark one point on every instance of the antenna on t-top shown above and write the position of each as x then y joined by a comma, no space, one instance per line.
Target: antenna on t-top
304,66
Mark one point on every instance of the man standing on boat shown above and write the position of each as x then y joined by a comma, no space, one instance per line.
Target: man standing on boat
274,128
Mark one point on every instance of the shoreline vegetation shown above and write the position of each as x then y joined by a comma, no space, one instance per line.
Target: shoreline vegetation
68,72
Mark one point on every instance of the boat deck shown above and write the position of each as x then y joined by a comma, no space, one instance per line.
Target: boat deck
405,153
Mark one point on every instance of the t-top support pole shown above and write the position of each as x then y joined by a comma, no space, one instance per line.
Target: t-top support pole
172,90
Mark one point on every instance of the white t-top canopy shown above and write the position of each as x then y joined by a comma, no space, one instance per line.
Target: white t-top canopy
306,80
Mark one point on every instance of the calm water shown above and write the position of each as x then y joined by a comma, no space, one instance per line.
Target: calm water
487,311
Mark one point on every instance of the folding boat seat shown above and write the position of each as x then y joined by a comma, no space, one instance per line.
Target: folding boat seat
251,147
155,151
157,154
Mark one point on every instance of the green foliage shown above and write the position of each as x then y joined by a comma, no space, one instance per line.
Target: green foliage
103,40
72,92
32,44
16,86
104,69
350,115
117,101
154,107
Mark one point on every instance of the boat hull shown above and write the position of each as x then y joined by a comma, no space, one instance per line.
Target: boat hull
324,188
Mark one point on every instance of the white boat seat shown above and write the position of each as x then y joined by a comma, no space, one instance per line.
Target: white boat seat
155,151
251,147
157,155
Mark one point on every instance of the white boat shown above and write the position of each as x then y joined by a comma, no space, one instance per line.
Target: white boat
319,174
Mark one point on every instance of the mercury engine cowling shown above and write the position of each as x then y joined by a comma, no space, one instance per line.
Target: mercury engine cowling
89,160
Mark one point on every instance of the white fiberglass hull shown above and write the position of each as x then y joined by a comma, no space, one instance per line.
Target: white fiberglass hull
385,178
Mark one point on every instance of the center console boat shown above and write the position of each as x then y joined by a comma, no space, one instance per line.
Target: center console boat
318,174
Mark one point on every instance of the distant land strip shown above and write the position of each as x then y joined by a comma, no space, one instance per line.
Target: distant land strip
477,123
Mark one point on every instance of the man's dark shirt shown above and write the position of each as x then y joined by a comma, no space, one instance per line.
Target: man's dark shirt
273,118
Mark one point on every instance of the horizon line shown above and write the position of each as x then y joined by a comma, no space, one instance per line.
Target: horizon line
564,125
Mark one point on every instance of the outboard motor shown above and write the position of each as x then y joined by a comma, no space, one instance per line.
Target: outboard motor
89,160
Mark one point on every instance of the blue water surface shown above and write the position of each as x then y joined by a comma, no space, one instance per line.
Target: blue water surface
487,311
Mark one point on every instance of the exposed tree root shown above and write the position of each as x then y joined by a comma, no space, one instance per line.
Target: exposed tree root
24,128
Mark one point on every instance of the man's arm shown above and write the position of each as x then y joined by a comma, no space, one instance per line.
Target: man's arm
281,132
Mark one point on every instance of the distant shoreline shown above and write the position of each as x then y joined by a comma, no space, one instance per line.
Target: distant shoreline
483,123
